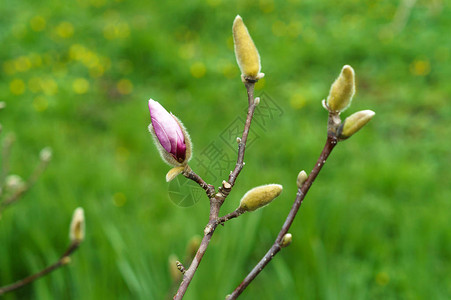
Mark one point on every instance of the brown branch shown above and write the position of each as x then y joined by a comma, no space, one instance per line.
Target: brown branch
242,143
64,260
30,182
217,200
238,212
302,192
190,174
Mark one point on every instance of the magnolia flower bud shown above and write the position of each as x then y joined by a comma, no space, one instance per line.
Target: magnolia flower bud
259,196
246,53
170,135
355,122
77,226
342,90
14,183
46,154
286,240
302,177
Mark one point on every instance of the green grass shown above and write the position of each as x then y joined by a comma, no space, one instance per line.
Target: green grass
76,77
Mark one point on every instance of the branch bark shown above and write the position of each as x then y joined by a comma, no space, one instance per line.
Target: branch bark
190,174
331,142
64,260
218,199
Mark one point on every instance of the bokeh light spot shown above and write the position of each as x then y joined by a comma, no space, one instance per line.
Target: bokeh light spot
420,67
119,199
382,278
80,86
124,86
297,101
17,86
38,23
65,30
40,103
198,69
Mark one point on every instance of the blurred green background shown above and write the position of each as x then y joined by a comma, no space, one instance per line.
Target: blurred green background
76,76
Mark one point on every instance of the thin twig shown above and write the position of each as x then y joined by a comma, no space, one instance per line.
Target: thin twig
190,174
6,151
30,182
236,213
242,144
218,199
64,260
302,192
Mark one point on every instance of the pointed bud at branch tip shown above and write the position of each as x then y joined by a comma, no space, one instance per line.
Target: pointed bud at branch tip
46,154
342,90
286,240
259,197
302,177
355,122
174,172
170,136
77,226
14,183
246,53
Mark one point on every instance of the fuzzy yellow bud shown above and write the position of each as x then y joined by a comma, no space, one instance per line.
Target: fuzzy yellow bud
286,240
302,177
342,90
259,196
355,122
77,226
246,53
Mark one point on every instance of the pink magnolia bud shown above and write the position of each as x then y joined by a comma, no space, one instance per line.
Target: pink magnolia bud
170,136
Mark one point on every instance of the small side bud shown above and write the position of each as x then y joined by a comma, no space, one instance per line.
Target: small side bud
302,177
46,154
246,53
355,122
174,172
257,101
174,270
77,226
238,140
342,90
259,197
286,240
65,260
2,104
